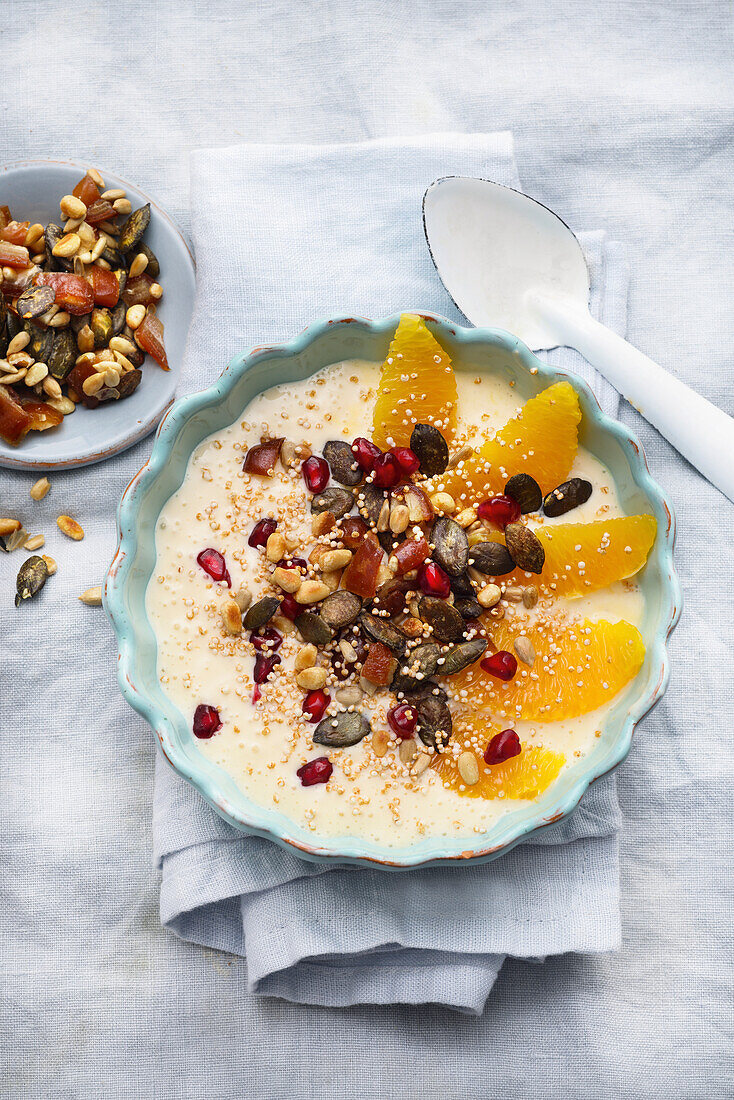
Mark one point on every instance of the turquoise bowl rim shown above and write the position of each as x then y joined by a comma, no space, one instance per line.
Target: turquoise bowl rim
132,566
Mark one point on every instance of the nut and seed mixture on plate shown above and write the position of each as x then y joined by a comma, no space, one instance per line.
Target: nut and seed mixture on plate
78,308
374,606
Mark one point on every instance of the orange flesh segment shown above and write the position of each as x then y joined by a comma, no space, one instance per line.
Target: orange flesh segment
541,440
417,386
578,667
598,554
524,776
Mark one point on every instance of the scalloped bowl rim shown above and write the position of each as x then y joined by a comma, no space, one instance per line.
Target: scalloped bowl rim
218,788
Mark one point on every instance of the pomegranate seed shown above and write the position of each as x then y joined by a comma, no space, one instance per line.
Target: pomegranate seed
316,771
213,563
502,747
502,664
434,581
365,453
261,532
406,459
316,473
264,665
206,720
315,705
386,472
499,510
402,720
289,607
267,640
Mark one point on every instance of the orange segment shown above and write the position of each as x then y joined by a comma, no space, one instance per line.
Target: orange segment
598,554
417,386
577,668
524,776
541,441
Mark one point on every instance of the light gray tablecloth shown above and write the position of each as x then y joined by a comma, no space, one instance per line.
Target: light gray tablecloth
623,120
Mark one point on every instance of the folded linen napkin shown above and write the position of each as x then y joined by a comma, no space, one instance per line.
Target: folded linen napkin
285,235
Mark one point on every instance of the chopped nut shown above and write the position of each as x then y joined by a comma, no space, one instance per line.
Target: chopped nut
68,245
35,542
7,526
383,520
412,628
306,657
40,488
332,579
72,207
420,763
287,579
443,503
135,316
70,527
335,559
36,374
407,751
489,595
93,384
20,341
380,740
312,592
138,266
468,768
399,518
92,597
321,523
283,625
232,617
275,547
311,679
50,564
466,517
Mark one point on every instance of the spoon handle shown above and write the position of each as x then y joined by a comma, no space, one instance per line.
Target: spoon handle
700,431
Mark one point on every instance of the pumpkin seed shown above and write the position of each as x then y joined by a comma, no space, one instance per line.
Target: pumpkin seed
261,612
382,630
450,545
369,503
445,621
526,549
567,496
462,586
468,609
435,724
32,576
525,490
340,609
431,449
420,664
313,628
337,501
131,232
341,461
341,730
101,326
118,324
491,558
41,342
63,354
461,656
153,268
427,690
35,300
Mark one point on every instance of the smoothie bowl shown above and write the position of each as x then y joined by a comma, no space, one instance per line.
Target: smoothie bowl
393,593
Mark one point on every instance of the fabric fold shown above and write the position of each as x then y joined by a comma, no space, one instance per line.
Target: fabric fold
308,232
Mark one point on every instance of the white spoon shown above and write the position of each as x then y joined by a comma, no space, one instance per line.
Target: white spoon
509,262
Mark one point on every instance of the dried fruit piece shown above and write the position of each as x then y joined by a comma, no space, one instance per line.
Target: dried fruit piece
72,293
14,232
351,531
32,576
105,287
341,730
261,460
149,337
14,255
525,548
360,576
420,509
99,211
86,190
379,668
431,449
567,496
136,291
410,555
15,421
525,490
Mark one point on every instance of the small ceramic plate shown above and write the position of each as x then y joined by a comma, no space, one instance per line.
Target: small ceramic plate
32,190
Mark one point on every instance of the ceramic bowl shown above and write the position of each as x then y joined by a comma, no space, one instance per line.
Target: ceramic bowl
193,418
32,190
